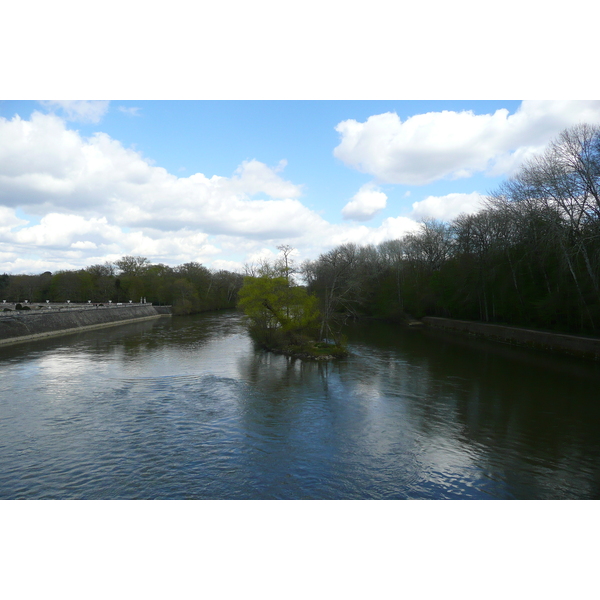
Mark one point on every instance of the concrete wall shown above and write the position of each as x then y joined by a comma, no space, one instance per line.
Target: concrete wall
20,326
568,344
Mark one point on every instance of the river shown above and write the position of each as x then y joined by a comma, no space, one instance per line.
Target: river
187,408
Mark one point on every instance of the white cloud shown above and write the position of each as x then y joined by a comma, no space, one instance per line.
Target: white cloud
27,265
132,111
365,204
227,265
448,144
253,177
446,208
97,200
72,241
83,111
59,230
262,254
84,245
391,228
46,167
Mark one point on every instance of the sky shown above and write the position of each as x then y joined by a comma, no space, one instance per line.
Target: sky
217,137
224,182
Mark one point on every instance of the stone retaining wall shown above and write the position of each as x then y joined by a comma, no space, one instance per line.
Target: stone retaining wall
567,344
20,326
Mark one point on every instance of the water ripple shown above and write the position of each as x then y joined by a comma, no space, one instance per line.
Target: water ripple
188,409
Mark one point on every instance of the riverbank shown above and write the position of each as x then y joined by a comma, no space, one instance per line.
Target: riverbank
318,351
555,342
60,319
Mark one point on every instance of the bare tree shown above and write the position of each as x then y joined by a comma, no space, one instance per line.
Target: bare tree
285,262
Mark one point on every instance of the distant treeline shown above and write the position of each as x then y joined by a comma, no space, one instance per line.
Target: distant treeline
189,288
531,257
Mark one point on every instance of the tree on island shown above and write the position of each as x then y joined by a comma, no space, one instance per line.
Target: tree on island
281,315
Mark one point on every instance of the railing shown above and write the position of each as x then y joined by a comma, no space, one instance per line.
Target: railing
38,307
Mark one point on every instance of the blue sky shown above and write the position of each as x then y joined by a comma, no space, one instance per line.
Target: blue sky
224,182
249,131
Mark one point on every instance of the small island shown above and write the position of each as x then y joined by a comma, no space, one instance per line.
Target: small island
283,317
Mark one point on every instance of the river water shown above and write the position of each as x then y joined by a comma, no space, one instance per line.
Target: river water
187,408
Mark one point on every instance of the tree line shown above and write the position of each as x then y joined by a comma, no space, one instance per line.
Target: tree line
189,288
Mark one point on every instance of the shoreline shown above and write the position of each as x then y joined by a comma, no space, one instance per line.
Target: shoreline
561,343
25,326
310,352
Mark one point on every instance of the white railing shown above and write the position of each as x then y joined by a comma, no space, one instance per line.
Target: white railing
37,307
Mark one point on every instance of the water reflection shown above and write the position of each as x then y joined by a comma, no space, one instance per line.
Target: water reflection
528,417
188,408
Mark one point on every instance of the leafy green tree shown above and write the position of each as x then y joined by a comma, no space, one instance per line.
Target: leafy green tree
103,282
76,286
159,279
185,300
279,313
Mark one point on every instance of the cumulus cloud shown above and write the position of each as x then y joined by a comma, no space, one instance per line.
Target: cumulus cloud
80,242
365,204
428,147
46,167
59,230
82,111
391,228
446,208
262,254
97,199
253,177
228,265
84,245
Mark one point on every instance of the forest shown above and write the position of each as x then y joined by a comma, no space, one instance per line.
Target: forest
189,288
530,257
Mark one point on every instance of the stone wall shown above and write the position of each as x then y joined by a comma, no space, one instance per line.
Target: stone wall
568,344
17,326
